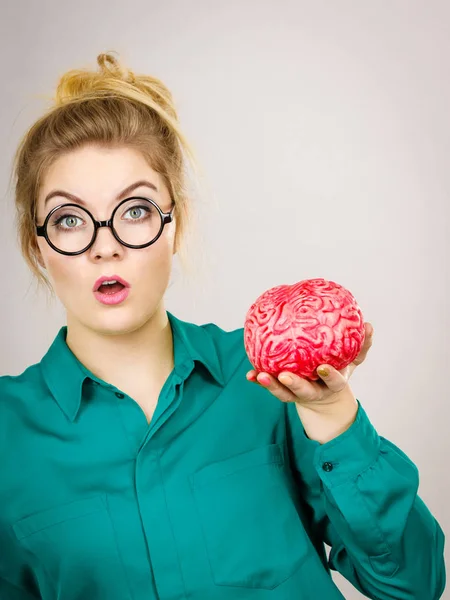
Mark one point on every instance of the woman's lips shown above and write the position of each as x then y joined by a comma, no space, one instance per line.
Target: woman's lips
112,298
101,280
111,293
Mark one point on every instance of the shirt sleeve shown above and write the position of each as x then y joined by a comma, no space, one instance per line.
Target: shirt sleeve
362,492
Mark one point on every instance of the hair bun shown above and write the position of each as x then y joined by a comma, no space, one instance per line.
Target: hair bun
110,66
77,84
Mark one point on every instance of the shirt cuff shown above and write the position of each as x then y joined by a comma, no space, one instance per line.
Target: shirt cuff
350,453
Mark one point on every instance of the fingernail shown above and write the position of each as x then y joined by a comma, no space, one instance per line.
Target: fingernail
264,380
323,372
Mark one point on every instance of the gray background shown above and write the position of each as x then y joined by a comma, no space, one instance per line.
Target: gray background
334,113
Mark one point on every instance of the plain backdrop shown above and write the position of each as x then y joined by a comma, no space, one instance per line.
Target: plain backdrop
323,132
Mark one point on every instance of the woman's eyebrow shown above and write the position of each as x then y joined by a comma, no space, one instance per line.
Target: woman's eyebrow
123,194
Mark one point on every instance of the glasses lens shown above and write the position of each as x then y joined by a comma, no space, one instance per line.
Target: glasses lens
137,222
70,229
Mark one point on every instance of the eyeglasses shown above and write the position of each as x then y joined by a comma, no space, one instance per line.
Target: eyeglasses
136,222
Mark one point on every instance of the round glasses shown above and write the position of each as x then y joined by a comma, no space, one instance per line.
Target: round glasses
136,223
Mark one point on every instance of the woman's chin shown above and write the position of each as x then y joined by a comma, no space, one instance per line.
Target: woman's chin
116,323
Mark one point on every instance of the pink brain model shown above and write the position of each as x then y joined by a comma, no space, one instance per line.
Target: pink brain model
298,327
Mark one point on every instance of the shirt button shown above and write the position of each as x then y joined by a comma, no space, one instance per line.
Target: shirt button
327,466
119,395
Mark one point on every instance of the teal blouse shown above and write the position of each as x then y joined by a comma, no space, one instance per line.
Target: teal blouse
221,497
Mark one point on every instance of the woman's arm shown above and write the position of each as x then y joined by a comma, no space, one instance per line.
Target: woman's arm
362,490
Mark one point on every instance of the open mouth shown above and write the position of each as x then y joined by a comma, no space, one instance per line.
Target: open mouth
111,290
111,287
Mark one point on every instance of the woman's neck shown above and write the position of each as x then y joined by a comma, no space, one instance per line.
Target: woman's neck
142,358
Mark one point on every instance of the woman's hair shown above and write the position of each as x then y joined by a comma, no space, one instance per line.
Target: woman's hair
110,107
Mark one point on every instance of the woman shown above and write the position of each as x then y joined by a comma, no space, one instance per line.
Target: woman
138,462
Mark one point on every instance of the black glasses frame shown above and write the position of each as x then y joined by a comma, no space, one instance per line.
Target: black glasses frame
166,218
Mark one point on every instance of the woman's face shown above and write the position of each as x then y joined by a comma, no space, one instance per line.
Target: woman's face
97,176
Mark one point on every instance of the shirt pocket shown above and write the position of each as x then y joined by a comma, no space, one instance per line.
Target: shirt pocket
76,546
253,533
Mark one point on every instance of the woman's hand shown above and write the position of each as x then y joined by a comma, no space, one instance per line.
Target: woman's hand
327,390
330,396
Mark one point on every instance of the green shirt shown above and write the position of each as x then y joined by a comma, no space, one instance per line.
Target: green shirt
222,496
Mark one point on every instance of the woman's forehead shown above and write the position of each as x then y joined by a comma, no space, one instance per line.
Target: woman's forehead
100,175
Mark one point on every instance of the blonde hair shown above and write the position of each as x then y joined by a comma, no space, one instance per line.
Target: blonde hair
111,107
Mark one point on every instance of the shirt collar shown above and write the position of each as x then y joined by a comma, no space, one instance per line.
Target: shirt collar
199,345
65,375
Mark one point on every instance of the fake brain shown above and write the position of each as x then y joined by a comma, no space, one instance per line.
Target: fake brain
299,327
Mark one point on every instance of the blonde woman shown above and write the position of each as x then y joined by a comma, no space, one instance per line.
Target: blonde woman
139,460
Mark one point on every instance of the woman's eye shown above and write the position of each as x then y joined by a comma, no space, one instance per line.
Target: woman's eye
68,222
136,212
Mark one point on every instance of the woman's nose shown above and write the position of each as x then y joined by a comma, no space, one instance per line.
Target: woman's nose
105,244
